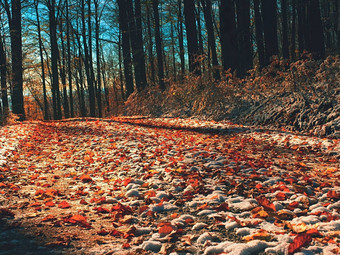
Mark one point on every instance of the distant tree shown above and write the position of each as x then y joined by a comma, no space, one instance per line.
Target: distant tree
269,16
316,36
3,75
285,47
243,32
207,10
259,33
54,61
125,44
14,18
158,41
190,25
180,36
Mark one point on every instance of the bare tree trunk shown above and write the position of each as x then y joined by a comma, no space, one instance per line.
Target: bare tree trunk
3,76
158,40
181,37
150,44
285,47
69,72
207,10
54,62
293,32
123,27
228,35
99,81
190,25
259,33
17,70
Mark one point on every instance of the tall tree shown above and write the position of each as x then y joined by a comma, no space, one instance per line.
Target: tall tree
42,63
285,47
243,31
158,41
124,30
54,61
68,45
141,70
190,25
150,43
269,14
180,36
207,10
3,75
228,35
98,60
293,32
259,34
316,36
14,18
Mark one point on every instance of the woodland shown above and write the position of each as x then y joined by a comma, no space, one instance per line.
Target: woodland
170,127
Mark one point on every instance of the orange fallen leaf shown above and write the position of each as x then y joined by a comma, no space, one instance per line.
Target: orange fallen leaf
64,205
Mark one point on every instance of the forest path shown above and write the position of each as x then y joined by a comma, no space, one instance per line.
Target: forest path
141,185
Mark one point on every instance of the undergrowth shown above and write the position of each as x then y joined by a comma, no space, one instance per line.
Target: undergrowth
302,95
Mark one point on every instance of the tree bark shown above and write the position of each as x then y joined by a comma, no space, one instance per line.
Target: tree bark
243,31
285,47
69,71
150,44
158,40
317,42
99,80
17,70
207,10
124,30
293,32
180,37
228,35
190,25
259,33
269,14
3,77
54,62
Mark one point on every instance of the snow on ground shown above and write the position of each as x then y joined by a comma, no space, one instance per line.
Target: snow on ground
179,186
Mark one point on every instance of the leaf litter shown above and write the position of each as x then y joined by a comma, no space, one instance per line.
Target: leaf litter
170,186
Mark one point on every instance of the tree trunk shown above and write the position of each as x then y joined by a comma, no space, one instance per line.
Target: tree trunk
69,72
141,70
269,14
200,61
87,62
158,40
285,47
63,72
150,44
54,62
3,77
293,32
259,33
180,37
99,80
17,70
190,25
207,10
317,44
124,30
228,35
243,31
174,69
301,21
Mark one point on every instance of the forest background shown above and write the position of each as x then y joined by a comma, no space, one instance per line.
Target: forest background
252,61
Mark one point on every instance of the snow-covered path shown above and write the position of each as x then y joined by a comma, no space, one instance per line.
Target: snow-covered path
173,186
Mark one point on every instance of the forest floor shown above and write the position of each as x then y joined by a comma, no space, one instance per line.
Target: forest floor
166,186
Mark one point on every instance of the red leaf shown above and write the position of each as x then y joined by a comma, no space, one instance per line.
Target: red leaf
281,196
165,230
293,205
86,178
267,205
222,207
50,204
126,181
64,205
126,246
103,232
333,194
101,210
48,218
299,241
